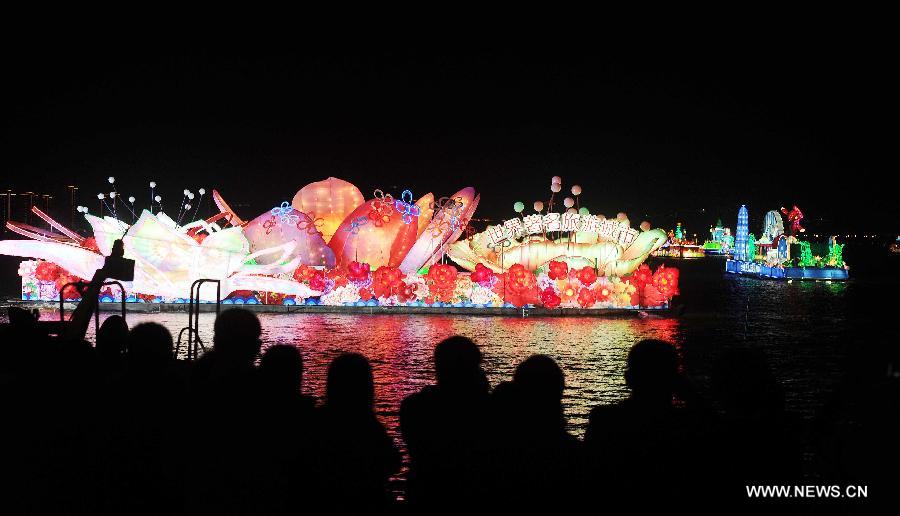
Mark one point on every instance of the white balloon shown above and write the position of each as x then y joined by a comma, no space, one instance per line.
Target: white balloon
111,180
191,195
202,191
157,198
101,196
568,202
152,184
131,199
186,191
187,206
576,190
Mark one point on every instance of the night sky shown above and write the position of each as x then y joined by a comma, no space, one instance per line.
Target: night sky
668,135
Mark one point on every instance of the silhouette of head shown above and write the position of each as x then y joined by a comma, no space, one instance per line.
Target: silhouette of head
457,361
149,348
745,385
112,336
652,369
350,385
540,378
237,333
281,368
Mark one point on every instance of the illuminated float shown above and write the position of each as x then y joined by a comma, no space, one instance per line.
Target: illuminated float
330,246
678,245
721,242
778,254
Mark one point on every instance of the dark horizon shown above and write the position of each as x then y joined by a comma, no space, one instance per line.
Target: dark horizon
671,137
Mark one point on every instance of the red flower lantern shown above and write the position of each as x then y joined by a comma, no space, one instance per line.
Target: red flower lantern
338,275
666,281
386,281
317,282
365,294
587,276
482,275
518,286
358,272
642,276
586,298
549,298
47,271
557,270
407,293
304,273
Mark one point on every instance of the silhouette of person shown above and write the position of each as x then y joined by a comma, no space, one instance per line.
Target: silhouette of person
226,384
357,455
287,450
646,443
143,428
110,345
446,427
537,465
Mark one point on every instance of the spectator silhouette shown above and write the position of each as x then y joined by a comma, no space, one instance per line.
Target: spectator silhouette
357,456
110,345
647,444
142,431
226,465
287,451
537,466
447,432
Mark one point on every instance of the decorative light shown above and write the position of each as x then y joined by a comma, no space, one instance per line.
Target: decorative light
101,196
131,199
187,206
556,180
111,180
152,184
112,195
190,196
202,191
568,202
571,210
518,206
584,211
538,206
576,190
555,187
186,191
157,198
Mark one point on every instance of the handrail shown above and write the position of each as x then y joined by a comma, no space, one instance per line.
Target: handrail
81,286
193,328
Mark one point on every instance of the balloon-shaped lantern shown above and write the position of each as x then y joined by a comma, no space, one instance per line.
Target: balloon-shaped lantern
568,202
518,206
538,206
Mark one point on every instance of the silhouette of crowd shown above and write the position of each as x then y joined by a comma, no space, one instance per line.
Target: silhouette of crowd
122,427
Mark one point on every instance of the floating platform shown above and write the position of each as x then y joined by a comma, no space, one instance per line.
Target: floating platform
527,311
760,270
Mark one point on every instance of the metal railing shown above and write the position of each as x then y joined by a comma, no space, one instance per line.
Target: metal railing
194,343
80,287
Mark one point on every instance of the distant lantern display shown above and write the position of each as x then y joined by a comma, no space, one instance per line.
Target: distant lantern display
740,239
